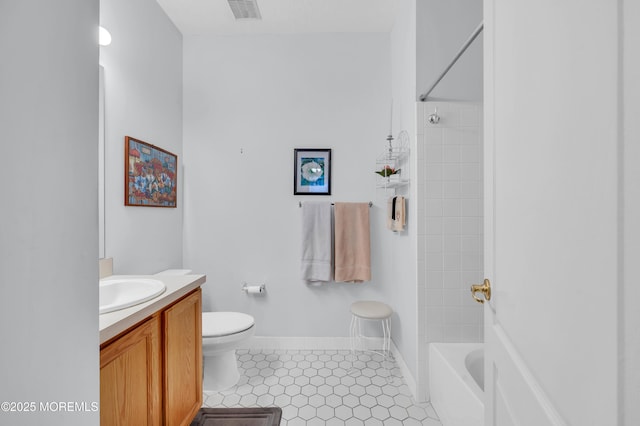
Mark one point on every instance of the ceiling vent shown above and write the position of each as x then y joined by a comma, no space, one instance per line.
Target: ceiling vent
245,9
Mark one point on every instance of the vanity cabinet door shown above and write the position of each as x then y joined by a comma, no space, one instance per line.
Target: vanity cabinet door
182,384
130,383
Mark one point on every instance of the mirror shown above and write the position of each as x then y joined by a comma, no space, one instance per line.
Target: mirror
101,166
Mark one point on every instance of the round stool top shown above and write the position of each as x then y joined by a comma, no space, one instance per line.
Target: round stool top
369,309
217,324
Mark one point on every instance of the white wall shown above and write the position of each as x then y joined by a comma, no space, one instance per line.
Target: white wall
401,261
143,99
249,101
630,350
48,226
442,28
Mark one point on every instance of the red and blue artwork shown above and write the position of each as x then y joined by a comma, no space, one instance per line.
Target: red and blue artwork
150,175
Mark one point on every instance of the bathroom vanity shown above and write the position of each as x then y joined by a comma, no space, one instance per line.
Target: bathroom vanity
151,357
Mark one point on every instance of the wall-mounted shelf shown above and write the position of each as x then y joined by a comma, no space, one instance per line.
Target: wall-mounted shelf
395,156
391,184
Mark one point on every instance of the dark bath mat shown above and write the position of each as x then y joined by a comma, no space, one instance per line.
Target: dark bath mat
267,416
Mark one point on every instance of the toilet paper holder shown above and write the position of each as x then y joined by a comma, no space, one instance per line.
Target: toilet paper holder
254,289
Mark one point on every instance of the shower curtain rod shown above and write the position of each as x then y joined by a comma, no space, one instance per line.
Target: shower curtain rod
455,59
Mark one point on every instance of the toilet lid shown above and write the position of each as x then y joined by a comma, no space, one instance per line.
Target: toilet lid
216,324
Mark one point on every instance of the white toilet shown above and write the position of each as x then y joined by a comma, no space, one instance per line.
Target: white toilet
222,333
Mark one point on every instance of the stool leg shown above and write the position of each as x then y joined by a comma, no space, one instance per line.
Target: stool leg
354,341
352,336
386,347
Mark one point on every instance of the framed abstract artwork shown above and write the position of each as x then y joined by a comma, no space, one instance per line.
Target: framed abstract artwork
150,175
312,171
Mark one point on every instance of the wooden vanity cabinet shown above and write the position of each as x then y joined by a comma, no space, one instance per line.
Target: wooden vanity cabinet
182,378
130,380
152,373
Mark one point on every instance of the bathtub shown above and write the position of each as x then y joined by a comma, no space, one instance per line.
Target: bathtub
456,382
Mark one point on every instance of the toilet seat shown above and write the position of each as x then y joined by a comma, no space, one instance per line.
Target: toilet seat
219,324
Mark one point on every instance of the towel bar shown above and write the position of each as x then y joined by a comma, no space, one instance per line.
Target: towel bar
300,203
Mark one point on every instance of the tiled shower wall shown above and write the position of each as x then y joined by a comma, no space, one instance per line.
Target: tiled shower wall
450,225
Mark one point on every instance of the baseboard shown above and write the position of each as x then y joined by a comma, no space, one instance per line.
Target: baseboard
303,343
329,343
404,369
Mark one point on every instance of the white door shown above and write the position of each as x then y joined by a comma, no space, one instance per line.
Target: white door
551,212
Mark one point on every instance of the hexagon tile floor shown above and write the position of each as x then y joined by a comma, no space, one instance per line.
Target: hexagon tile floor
319,387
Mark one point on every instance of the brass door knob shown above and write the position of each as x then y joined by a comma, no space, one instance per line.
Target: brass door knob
484,288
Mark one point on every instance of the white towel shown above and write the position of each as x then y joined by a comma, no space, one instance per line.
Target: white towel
316,242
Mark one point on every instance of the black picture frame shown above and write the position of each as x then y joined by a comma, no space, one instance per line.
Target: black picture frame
311,171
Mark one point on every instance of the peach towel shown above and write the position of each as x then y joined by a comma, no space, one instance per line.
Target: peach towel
352,242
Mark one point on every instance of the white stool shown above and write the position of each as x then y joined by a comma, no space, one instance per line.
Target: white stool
371,311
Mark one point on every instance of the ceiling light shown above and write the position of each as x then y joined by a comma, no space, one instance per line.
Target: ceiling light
104,37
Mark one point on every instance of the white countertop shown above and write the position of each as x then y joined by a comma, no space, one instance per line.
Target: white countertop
114,323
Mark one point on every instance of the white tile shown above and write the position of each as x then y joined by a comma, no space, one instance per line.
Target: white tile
470,207
433,226
433,189
433,154
452,333
469,136
435,315
434,244
451,262
432,171
451,171
434,297
450,189
451,244
469,226
470,244
470,171
470,333
451,153
451,297
451,226
434,207
451,207
434,279
434,262
451,279
469,154
433,135
435,332
469,277
469,117
472,315
469,189
469,262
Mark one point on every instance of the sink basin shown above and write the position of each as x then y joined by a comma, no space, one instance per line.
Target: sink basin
120,293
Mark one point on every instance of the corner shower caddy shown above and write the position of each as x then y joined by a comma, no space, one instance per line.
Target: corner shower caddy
395,156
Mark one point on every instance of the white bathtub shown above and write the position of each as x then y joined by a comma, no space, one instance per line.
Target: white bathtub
456,382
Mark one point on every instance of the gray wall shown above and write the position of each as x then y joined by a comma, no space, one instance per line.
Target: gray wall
143,99
442,28
48,226
630,352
